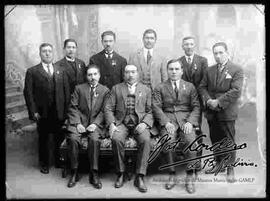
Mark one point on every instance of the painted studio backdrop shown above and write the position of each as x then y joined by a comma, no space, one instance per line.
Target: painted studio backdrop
242,27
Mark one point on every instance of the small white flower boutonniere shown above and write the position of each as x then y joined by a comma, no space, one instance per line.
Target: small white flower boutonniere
195,67
79,65
95,94
140,93
57,72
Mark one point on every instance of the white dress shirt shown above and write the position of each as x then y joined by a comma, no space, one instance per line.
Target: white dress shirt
191,57
45,67
69,59
132,88
107,54
145,52
177,84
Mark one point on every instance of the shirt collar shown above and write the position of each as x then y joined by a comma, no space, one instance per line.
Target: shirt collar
192,56
132,85
224,64
46,65
68,59
145,51
177,83
95,86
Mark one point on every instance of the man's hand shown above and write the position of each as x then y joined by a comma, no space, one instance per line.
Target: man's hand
112,129
212,104
140,127
91,128
81,128
36,116
170,128
187,128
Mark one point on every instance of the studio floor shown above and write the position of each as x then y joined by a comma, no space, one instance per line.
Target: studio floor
23,179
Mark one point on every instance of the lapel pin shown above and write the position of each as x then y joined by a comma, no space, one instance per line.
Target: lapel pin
184,86
195,67
140,94
57,72
79,65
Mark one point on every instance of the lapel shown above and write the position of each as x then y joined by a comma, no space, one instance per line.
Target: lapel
87,96
142,59
124,91
193,64
42,71
105,60
168,85
214,75
138,92
224,73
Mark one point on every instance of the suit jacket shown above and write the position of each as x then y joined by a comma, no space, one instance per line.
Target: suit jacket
36,91
194,73
115,107
75,77
157,66
226,90
81,109
178,110
111,70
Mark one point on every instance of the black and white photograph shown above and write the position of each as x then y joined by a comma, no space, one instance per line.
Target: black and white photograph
135,101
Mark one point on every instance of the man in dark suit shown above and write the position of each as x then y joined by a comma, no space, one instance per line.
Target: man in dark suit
74,67
85,118
46,93
176,107
111,64
128,112
194,66
220,89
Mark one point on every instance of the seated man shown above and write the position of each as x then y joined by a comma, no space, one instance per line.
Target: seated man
177,109
128,111
86,117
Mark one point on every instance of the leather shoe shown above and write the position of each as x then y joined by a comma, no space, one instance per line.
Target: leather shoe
44,169
94,180
171,183
139,183
190,186
119,181
73,178
230,175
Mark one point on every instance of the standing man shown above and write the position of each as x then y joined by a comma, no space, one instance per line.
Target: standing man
85,118
177,109
151,65
128,111
193,70
220,89
74,67
111,64
46,93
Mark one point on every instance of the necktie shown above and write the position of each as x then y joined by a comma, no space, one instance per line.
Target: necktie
189,60
219,71
175,89
148,57
92,88
49,70
109,55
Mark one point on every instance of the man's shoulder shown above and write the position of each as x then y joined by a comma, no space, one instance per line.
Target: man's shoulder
97,55
137,52
119,56
103,87
34,68
60,62
79,61
202,58
234,66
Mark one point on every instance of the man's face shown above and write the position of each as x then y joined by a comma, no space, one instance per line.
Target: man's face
149,40
175,71
46,54
188,46
70,50
108,42
92,76
131,74
220,54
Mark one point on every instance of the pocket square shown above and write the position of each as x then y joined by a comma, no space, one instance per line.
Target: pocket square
228,76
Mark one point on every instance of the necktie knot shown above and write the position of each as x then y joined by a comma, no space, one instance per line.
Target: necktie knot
108,55
49,70
175,88
189,60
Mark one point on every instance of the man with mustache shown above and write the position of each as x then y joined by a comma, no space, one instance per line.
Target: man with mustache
194,66
46,93
74,67
110,62
151,64
85,119
128,112
176,107
220,90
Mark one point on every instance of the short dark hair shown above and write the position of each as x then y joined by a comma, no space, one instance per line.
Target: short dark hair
223,44
150,31
188,37
174,61
105,33
92,66
44,45
69,40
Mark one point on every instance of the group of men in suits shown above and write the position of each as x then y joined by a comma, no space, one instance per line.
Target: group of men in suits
115,98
